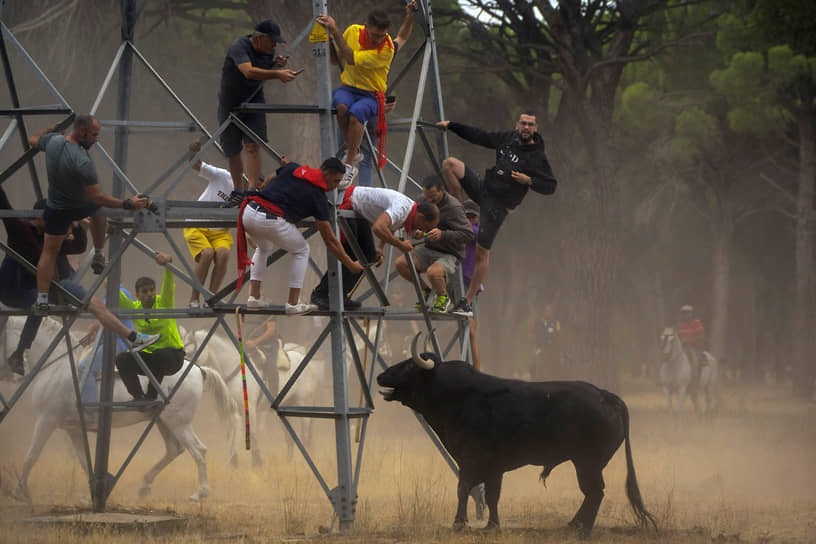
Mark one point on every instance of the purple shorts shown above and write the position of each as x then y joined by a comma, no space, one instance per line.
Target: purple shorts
361,104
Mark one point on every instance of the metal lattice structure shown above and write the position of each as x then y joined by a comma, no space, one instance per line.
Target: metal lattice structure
343,326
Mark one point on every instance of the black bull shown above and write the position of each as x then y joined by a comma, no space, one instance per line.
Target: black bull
491,425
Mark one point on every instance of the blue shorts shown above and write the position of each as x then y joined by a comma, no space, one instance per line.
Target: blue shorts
361,104
71,286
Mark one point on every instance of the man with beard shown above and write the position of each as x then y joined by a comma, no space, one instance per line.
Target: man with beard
521,164
444,248
73,194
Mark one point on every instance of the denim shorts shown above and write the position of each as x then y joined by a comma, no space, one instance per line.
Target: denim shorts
361,104
72,287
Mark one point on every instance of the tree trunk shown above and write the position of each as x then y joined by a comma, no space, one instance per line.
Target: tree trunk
597,257
802,330
720,268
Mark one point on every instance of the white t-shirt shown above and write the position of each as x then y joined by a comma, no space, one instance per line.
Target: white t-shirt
371,202
219,183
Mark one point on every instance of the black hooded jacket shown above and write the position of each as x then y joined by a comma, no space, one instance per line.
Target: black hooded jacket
511,154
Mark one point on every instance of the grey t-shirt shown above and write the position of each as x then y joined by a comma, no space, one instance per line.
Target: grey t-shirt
70,169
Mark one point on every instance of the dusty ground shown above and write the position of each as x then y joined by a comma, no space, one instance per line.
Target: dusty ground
747,476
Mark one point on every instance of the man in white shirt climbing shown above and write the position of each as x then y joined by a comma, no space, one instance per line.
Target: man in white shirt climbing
209,246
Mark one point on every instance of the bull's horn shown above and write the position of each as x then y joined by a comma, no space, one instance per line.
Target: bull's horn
420,362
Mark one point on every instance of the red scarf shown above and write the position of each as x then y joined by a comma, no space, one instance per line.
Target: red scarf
312,175
409,221
243,258
346,204
365,43
382,135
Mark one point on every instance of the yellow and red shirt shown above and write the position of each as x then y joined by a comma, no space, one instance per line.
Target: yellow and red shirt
371,64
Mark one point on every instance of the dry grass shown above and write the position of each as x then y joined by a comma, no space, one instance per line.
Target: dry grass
747,476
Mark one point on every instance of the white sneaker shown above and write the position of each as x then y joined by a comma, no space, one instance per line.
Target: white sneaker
194,305
357,158
348,178
300,308
255,303
144,340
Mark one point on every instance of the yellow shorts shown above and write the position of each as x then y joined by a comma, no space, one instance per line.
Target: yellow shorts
200,239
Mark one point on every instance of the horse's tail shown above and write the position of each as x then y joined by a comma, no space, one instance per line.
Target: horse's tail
632,489
214,383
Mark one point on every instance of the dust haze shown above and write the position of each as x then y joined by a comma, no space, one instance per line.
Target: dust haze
745,475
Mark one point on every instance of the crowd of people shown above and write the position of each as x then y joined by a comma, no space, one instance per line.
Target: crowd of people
449,232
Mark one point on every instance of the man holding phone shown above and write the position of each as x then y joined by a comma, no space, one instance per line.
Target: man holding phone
250,61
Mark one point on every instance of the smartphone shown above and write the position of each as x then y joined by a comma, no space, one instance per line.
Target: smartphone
390,99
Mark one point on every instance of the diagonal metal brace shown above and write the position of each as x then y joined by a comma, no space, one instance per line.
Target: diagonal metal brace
358,252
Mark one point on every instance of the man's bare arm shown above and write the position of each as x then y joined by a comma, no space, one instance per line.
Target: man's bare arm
106,201
345,52
34,139
382,230
333,244
407,25
261,74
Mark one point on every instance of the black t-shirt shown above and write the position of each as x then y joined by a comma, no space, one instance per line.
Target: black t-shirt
235,88
296,197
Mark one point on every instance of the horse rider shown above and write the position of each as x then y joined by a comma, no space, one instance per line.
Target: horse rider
691,333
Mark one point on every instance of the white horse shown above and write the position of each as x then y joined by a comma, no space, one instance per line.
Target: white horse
52,395
676,375
222,354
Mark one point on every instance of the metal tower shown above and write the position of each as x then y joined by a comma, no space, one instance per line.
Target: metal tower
343,326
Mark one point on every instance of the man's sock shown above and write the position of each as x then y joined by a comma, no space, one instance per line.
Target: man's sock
99,251
42,298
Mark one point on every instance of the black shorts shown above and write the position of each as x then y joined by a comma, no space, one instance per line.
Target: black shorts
491,212
233,138
57,222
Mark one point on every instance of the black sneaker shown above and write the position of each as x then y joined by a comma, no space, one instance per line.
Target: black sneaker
319,300
98,263
462,308
426,292
15,363
322,303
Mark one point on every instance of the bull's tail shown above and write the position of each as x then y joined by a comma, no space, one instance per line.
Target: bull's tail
632,489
